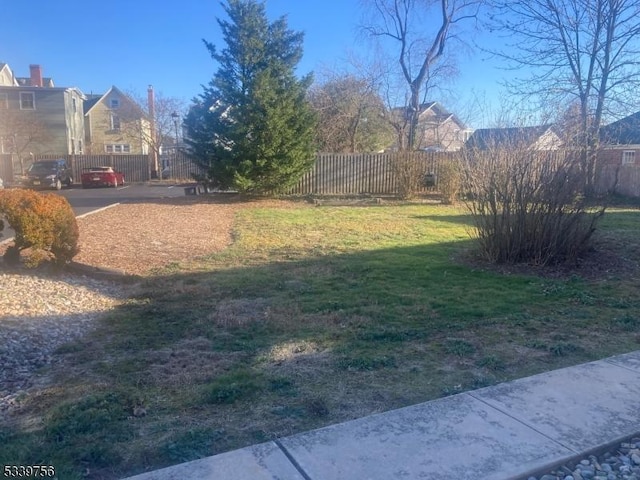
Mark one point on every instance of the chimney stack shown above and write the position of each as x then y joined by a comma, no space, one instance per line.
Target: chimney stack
153,157
36,75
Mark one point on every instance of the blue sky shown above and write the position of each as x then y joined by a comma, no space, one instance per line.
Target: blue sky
133,44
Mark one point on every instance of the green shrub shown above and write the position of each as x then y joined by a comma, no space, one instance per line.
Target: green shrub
43,223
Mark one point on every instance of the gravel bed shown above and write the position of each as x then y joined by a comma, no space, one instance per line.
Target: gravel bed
622,463
39,313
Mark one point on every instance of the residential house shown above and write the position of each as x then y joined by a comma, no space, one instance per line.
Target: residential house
437,129
541,138
37,117
7,79
114,123
619,156
620,141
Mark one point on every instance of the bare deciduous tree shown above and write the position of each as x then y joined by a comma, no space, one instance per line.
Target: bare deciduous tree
22,131
167,110
420,31
351,115
583,51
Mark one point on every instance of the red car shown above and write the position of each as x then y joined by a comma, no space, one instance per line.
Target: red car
101,177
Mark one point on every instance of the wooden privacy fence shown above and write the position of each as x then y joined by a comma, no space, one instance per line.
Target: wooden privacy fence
368,173
331,174
621,179
181,166
6,168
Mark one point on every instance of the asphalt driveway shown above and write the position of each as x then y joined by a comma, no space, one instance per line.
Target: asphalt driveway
86,200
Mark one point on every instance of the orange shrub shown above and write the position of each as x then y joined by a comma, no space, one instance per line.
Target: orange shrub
44,223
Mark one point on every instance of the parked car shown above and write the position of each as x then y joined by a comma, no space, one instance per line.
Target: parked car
48,174
101,177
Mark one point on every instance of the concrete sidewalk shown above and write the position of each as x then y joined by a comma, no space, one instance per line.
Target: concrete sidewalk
507,431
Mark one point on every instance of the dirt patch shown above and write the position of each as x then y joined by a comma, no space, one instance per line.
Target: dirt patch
189,362
240,312
138,238
605,259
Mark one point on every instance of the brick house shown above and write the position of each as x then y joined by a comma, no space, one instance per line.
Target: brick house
619,156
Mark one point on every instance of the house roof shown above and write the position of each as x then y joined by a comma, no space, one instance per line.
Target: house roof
90,102
47,82
93,100
5,67
484,138
441,114
436,108
625,131
29,88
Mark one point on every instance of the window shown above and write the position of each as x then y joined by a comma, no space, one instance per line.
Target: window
117,148
628,157
80,146
115,122
75,106
114,103
27,101
4,102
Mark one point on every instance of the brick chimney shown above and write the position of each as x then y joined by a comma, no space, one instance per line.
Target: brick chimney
36,75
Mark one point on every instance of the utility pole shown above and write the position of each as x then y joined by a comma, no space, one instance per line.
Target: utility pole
176,118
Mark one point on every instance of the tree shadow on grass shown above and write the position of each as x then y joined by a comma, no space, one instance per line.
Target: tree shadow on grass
226,356
467,219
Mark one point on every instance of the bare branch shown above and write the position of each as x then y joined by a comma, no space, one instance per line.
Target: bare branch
420,45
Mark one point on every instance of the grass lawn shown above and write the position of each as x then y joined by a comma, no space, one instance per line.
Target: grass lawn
317,315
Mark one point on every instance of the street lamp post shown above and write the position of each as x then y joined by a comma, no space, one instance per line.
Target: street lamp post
176,118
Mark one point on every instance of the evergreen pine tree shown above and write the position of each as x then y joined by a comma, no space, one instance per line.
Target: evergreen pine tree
252,127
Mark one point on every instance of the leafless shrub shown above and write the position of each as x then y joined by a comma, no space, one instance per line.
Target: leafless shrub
409,170
528,204
449,179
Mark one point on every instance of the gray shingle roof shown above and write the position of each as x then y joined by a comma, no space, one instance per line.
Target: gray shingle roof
623,132
90,102
484,138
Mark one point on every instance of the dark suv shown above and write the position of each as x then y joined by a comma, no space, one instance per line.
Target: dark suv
49,174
